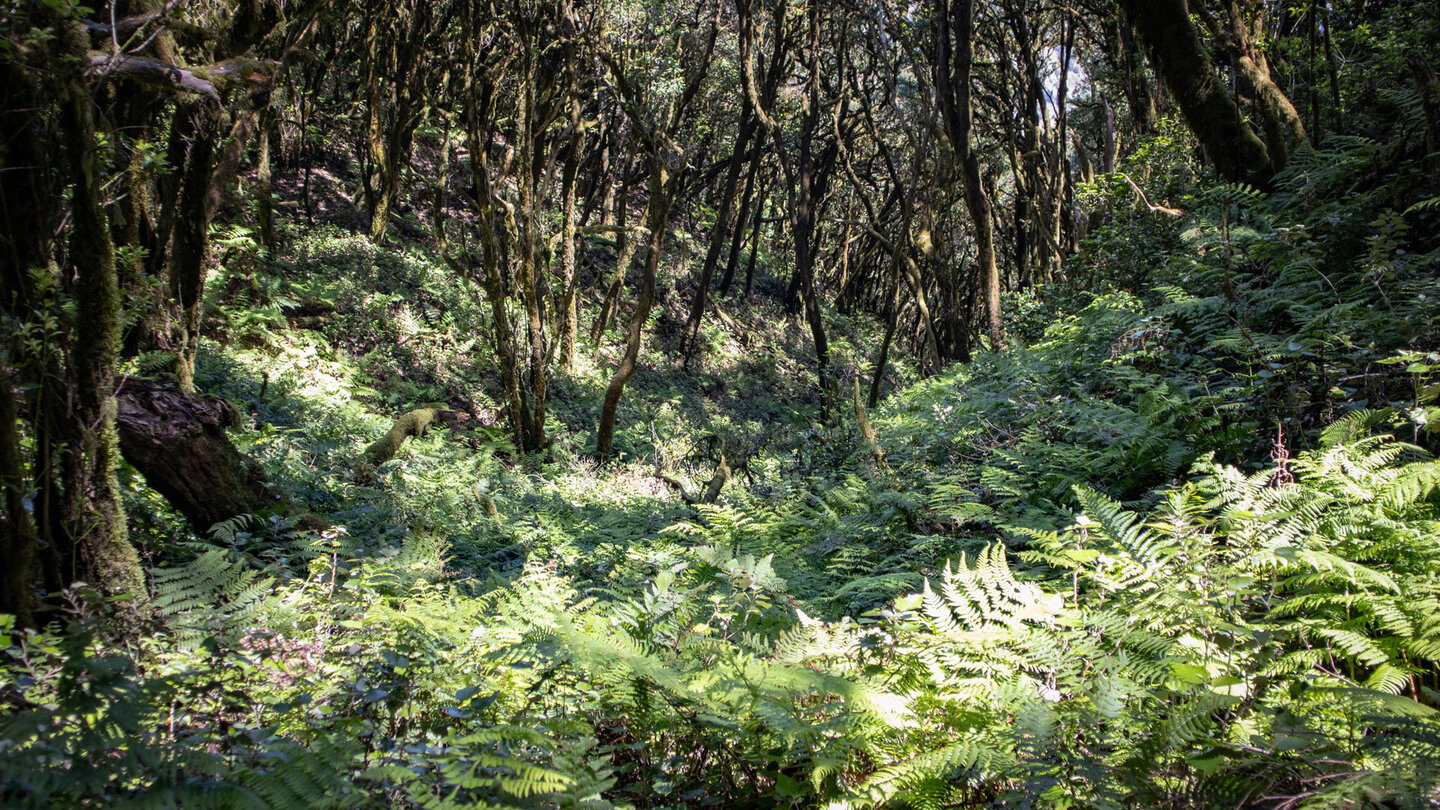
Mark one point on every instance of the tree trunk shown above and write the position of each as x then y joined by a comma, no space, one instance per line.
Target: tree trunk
625,246
94,518
441,187
756,233
185,262
208,170
718,233
662,190
379,191
29,213
17,527
1240,40
528,278
952,84
892,317
742,215
264,192
493,284
1183,61
569,316
1137,86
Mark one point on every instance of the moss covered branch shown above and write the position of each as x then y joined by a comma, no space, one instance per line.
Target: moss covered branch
414,423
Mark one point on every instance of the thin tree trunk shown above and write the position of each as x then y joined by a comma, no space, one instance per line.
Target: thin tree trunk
189,241
717,236
953,78
442,182
264,189
892,317
208,172
625,246
1061,170
737,234
528,281
569,317
656,219
17,529
1137,86
756,232
375,185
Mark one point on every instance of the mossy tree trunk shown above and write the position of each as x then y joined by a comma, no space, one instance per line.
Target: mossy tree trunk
569,316
1241,34
264,185
411,424
58,254
1182,60
512,106
526,431
530,124
94,518
189,242
395,99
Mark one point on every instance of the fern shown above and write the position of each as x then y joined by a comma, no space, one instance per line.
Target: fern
216,592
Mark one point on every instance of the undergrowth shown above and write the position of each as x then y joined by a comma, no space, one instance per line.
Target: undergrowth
1174,548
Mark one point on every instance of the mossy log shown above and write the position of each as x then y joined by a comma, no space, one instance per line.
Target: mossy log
729,322
717,481
308,313
178,442
414,423
314,322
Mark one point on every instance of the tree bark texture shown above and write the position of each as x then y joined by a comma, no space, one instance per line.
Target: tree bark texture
94,518
1241,40
718,233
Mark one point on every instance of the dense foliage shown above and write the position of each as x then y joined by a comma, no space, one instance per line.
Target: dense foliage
1156,526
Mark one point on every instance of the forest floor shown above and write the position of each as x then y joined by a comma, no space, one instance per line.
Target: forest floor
1093,570
402,332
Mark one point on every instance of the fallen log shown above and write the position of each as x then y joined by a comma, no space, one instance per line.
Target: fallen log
178,442
414,423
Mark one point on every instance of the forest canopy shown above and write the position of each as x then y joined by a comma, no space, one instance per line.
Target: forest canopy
684,403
